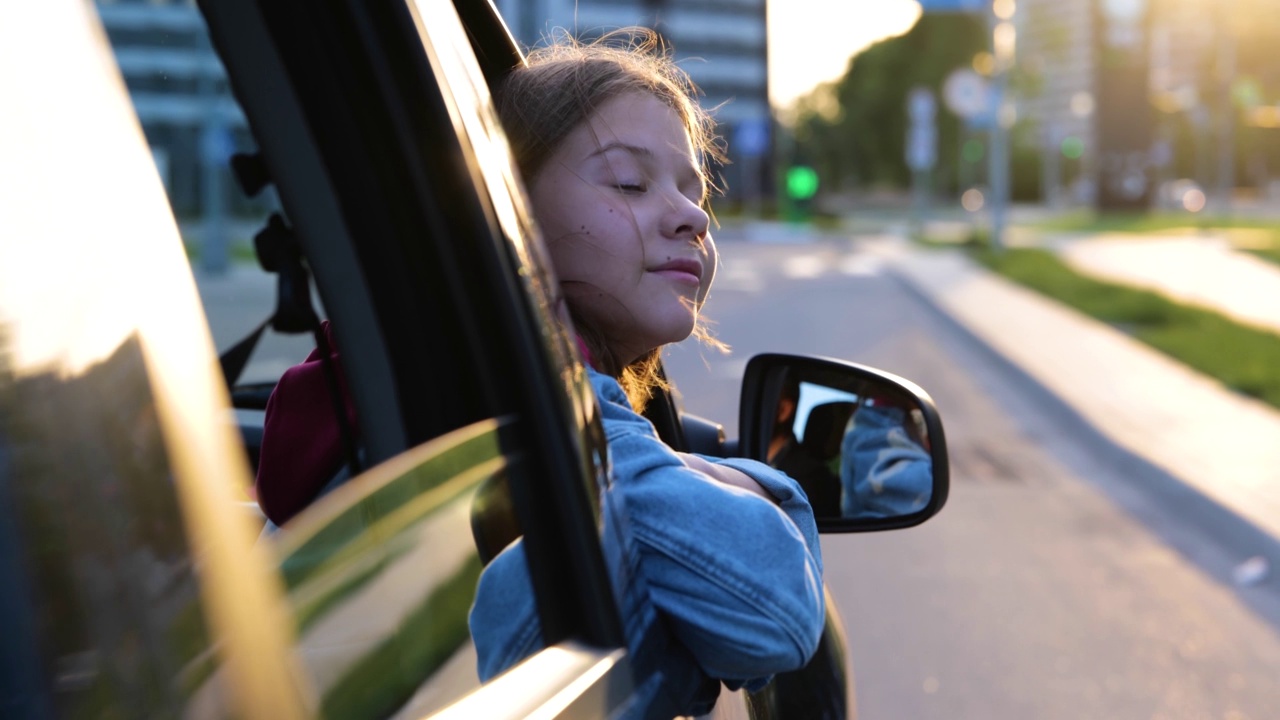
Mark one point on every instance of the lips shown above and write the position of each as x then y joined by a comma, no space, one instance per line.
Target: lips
686,271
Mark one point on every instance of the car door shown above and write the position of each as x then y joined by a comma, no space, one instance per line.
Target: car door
132,582
128,581
373,124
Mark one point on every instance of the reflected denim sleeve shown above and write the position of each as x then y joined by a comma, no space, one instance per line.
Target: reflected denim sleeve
883,472
504,620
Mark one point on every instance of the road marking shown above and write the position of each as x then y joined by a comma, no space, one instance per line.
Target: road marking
738,275
861,265
803,267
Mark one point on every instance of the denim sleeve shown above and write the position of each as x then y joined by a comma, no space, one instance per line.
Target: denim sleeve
504,620
788,494
738,578
883,472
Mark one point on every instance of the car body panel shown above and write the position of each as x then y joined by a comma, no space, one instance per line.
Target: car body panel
118,462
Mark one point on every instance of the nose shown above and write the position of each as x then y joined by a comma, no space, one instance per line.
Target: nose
687,219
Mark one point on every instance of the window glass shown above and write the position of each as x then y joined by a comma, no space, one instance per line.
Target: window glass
380,571
194,125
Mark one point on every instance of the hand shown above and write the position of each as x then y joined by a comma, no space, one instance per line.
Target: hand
726,475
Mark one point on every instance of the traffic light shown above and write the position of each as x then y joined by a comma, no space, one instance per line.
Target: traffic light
801,185
802,182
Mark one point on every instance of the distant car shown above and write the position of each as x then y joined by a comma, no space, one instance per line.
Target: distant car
134,579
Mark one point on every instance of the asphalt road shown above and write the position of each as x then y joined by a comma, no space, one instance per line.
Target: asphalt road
1034,594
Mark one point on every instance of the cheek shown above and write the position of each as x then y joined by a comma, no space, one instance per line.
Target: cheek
602,245
549,213
566,258
564,234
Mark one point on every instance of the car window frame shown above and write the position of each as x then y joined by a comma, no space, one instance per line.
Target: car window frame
303,148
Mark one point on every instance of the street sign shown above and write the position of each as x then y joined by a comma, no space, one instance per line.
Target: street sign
922,147
922,134
751,137
921,107
966,93
965,6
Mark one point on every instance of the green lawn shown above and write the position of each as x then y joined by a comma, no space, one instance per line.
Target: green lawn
238,253
1272,253
1259,236
1089,221
387,677
1244,358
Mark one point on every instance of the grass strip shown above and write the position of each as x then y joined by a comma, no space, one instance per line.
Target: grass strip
1271,254
354,578
1146,222
387,677
1244,358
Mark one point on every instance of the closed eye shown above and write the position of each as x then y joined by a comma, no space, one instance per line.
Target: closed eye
695,188
700,196
630,187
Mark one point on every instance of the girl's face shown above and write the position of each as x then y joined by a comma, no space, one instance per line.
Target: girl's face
620,201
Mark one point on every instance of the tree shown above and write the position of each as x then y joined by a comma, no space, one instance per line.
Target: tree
853,132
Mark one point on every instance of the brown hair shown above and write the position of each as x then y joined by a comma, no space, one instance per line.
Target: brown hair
559,89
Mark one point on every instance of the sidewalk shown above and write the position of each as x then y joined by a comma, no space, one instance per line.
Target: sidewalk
1220,443
1195,269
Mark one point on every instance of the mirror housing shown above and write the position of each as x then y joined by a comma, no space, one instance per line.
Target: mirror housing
867,446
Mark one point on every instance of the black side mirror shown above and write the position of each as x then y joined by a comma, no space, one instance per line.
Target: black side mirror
866,446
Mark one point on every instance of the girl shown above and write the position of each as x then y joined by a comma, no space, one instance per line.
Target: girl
716,562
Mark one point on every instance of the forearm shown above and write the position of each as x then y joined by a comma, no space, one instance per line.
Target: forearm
726,475
730,548
740,579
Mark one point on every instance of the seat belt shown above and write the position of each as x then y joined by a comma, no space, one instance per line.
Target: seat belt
279,252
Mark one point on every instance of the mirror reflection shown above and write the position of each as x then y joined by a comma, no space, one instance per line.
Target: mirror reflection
859,448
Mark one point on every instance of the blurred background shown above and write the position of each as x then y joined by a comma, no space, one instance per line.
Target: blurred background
832,110
1059,217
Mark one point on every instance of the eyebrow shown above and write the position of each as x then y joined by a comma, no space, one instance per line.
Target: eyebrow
633,149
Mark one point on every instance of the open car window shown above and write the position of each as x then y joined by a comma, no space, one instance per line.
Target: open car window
381,567
380,570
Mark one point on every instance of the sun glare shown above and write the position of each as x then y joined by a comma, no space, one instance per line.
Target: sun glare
811,41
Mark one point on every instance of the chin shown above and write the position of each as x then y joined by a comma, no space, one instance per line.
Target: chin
679,332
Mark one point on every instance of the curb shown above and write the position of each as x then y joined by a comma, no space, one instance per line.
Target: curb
1204,455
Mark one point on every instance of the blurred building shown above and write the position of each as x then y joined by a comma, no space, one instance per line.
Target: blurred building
1183,52
192,123
1128,88
1182,45
1056,67
722,44
179,90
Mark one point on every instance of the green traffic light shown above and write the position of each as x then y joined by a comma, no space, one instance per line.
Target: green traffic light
972,151
802,182
1073,148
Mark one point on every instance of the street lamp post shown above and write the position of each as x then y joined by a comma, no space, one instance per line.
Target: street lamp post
1003,44
1226,130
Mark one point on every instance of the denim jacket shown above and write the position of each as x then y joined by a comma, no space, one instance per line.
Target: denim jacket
714,584
884,473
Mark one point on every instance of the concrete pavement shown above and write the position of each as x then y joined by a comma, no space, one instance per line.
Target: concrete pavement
1221,444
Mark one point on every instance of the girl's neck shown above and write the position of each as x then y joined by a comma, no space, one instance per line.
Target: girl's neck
587,355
